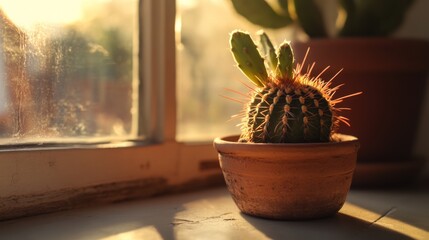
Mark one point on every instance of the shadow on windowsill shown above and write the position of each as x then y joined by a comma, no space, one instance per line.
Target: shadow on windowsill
340,226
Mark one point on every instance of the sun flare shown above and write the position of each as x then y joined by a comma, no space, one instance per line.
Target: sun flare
27,13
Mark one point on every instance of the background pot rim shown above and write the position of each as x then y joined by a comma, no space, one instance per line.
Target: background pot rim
362,55
365,40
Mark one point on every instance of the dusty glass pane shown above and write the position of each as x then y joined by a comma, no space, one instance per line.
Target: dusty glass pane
206,70
66,70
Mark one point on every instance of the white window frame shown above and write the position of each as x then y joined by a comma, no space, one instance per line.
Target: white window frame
45,179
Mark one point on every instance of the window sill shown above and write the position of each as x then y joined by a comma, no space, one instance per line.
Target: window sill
40,181
212,214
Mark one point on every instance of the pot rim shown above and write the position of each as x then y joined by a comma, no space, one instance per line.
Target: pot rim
342,139
230,146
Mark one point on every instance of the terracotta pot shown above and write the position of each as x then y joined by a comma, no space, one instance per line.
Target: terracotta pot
288,181
392,75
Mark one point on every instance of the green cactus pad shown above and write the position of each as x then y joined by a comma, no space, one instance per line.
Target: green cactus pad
268,50
285,61
261,13
247,57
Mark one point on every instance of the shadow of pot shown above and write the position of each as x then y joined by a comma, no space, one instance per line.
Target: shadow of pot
288,181
392,74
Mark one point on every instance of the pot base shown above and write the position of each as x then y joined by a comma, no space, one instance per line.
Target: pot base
288,181
265,208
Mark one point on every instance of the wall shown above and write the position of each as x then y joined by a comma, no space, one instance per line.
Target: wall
415,26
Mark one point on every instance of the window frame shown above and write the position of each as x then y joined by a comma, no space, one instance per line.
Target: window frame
37,180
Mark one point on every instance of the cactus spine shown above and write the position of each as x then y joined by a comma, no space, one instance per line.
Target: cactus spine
286,106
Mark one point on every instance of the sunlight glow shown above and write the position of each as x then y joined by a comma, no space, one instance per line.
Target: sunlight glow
147,233
26,13
386,221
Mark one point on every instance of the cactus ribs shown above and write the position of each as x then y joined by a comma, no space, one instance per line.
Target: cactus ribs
286,106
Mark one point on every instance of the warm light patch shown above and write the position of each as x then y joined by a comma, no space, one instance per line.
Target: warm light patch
385,221
26,13
146,232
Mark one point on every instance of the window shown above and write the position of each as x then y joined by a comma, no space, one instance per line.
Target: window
206,70
68,71
103,98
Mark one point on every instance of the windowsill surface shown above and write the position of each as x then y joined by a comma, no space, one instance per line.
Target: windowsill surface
212,214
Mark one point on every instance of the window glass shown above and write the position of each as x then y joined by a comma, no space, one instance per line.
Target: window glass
206,70
66,70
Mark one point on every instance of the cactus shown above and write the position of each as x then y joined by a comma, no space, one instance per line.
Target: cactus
362,17
286,106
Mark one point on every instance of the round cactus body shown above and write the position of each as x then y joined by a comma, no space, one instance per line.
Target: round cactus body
291,114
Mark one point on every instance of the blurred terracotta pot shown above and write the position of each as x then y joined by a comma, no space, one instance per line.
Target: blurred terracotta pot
288,181
392,74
